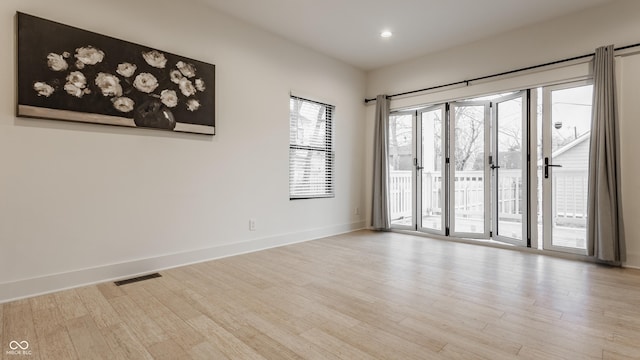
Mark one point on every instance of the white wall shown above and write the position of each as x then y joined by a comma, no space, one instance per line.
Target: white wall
81,203
578,34
628,97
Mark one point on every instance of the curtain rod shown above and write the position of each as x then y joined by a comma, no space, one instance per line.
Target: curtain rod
466,82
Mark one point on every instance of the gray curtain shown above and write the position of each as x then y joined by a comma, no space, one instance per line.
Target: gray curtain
605,233
380,211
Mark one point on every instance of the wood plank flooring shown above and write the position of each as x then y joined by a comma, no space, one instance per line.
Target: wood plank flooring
361,295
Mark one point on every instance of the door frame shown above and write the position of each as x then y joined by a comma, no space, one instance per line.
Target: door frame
536,117
495,172
486,172
419,165
414,187
547,184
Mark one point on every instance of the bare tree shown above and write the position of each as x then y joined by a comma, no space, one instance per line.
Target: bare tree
469,136
400,135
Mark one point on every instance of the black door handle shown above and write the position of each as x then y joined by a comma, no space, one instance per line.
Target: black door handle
547,166
415,163
494,167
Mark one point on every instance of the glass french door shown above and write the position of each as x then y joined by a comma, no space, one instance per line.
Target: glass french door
417,169
469,181
508,164
471,169
430,168
563,164
439,169
402,169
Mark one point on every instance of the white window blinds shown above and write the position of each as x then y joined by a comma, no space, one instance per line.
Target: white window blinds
310,149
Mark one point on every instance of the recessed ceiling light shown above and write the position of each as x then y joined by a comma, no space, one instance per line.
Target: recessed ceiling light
386,34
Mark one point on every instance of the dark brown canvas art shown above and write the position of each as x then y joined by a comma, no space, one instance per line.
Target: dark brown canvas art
65,73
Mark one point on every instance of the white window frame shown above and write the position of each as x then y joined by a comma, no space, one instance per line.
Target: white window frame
320,185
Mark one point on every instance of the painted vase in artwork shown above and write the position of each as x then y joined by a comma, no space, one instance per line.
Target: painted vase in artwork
153,113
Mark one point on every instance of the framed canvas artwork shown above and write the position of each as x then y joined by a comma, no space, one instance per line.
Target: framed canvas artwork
65,73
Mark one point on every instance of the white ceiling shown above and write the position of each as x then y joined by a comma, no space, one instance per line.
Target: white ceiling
349,29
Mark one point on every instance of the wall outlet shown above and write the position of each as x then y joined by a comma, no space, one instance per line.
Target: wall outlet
252,224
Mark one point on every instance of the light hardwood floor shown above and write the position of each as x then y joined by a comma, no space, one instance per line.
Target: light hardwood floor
362,295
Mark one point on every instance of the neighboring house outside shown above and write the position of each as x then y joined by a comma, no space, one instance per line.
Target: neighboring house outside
570,185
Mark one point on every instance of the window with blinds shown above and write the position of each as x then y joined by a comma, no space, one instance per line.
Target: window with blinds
310,149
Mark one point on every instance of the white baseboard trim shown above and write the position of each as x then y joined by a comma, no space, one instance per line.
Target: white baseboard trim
21,289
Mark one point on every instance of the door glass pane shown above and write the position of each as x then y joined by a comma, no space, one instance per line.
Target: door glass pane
571,128
510,187
432,172
468,162
539,173
400,169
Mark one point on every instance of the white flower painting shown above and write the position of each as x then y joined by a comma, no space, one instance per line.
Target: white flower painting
43,89
76,84
193,104
186,87
200,85
56,62
127,69
169,98
89,55
84,72
186,69
155,58
145,82
123,104
109,84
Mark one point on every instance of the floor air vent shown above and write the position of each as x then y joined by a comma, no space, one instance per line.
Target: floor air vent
136,279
